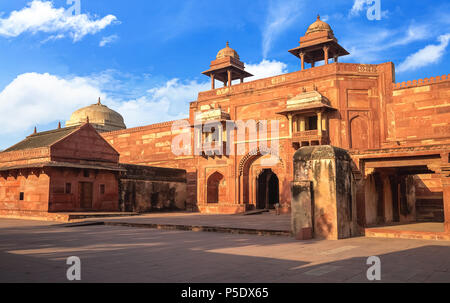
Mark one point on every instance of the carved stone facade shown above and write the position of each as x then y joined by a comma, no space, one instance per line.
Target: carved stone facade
395,133
397,136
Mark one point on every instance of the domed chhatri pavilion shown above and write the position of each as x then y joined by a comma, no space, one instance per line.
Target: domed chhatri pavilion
226,68
318,44
102,118
353,149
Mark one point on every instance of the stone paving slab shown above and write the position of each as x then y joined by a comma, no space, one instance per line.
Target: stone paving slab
426,231
32,251
261,224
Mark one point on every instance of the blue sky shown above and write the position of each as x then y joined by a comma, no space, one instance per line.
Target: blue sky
145,58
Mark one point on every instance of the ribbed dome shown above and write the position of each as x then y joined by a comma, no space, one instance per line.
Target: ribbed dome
100,116
227,52
318,26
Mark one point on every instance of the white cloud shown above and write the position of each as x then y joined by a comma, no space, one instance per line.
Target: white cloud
281,15
41,16
370,45
53,38
34,98
266,68
325,18
108,40
167,102
41,99
428,55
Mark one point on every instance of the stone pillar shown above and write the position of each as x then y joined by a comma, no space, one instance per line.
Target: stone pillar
295,124
302,58
242,80
446,193
302,124
313,64
336,58
301,210
229,78
322,193
319,123
325,52
290,124
213,86
324,121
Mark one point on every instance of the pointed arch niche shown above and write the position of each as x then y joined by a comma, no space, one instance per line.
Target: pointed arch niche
213,187
359,131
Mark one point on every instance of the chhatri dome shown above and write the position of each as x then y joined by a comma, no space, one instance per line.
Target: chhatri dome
319,26
227,52
102,118
318,44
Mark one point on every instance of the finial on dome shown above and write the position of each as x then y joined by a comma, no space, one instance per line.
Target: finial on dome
59,125
35,130
87,119
318,17
228,44
99,101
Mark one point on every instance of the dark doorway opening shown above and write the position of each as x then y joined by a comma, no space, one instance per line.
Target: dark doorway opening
268,193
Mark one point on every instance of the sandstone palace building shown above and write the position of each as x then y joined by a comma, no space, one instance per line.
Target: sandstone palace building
354,149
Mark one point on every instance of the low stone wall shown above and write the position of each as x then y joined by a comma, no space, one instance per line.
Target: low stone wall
34,215
147,189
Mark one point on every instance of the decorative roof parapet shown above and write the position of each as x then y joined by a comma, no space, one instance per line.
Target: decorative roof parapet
420,82
142,128
307,74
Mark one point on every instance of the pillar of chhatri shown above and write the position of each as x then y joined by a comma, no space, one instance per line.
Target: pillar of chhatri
226,68
318,44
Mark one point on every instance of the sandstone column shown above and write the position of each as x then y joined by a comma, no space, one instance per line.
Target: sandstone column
302,124
319,123
302,57
325,51
446,191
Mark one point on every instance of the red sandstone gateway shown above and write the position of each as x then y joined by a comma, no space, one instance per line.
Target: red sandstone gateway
378,150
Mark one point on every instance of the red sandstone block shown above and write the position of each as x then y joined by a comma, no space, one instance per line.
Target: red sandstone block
304,234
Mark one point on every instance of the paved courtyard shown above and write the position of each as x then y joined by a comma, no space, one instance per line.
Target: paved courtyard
34,251
268,221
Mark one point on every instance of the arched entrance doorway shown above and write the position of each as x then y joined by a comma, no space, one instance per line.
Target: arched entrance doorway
268,192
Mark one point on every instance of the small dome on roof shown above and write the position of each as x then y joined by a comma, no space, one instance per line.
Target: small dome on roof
227,52
319,26
100,116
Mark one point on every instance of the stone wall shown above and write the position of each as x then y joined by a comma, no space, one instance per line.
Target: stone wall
146,189
105,193
420,111
35,189
151,146
429,198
